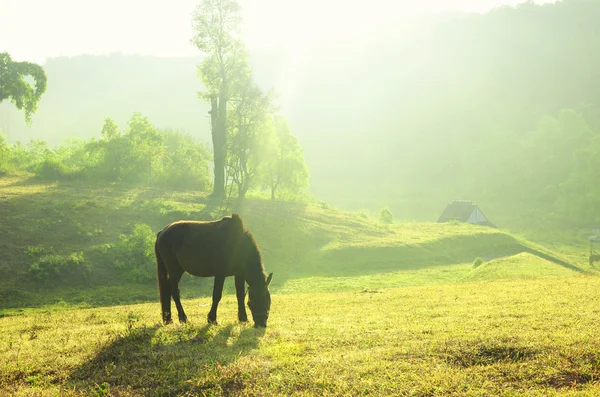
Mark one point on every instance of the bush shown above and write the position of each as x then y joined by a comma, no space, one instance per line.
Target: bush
56,268
4,154
52,169
184,164
385,216
477,262
134,254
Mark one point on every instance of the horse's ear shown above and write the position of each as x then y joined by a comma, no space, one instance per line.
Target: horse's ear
269,279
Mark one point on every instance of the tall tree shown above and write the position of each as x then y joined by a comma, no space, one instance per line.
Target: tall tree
14,86
216,25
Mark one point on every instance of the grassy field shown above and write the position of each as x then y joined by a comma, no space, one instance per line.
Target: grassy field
359,308
501,338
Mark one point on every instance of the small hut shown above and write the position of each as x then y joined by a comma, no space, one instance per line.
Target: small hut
464,211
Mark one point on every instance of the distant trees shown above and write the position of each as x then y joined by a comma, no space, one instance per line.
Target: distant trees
14,86
263,155
139,154
142,153
262,152
249,129
285,170
557,166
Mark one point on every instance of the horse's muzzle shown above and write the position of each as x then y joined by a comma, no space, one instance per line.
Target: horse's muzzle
260,321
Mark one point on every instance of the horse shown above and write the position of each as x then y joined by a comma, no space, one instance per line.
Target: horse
219,249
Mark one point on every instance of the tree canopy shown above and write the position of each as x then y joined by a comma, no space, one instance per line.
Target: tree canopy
15,87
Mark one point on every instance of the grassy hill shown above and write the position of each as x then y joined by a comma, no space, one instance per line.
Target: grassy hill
359,308
309,246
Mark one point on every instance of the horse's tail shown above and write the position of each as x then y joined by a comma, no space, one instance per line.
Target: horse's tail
163,284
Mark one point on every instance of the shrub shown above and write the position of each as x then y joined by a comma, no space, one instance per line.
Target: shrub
134,254
52,169
57,268
385,216
477,262
4,154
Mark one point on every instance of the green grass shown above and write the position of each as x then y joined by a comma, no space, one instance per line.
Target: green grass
520,266
502,338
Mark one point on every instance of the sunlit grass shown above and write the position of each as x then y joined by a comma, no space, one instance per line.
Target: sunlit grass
523,265
535,337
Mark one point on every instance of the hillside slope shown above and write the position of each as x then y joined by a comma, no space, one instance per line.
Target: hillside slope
307,245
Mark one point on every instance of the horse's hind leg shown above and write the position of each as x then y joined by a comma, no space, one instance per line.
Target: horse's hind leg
174,284
163,287
216,298
241,297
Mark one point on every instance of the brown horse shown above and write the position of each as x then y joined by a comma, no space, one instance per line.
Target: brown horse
216,249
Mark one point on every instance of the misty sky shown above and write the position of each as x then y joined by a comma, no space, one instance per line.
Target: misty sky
38,29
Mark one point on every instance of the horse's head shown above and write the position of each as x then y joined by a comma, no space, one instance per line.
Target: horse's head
259,302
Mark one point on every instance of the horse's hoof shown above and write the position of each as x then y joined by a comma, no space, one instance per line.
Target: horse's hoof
183,320
243,320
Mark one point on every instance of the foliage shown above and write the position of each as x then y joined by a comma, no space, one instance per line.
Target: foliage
4,154
477,262
285,172
216,34
184,163
14,86
386,216
249,131
134,254
132,156
51,168
26,157
60,269
141,154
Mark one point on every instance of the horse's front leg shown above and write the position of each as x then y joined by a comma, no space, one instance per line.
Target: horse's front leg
216,298
241,297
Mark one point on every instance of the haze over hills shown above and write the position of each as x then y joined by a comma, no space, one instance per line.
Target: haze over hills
439,109
83,90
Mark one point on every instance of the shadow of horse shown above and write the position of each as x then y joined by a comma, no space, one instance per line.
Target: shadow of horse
165,361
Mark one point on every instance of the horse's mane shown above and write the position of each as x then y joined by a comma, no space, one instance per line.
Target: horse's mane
256,270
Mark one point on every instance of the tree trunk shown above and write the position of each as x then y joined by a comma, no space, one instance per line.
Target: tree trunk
219,139
238,203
